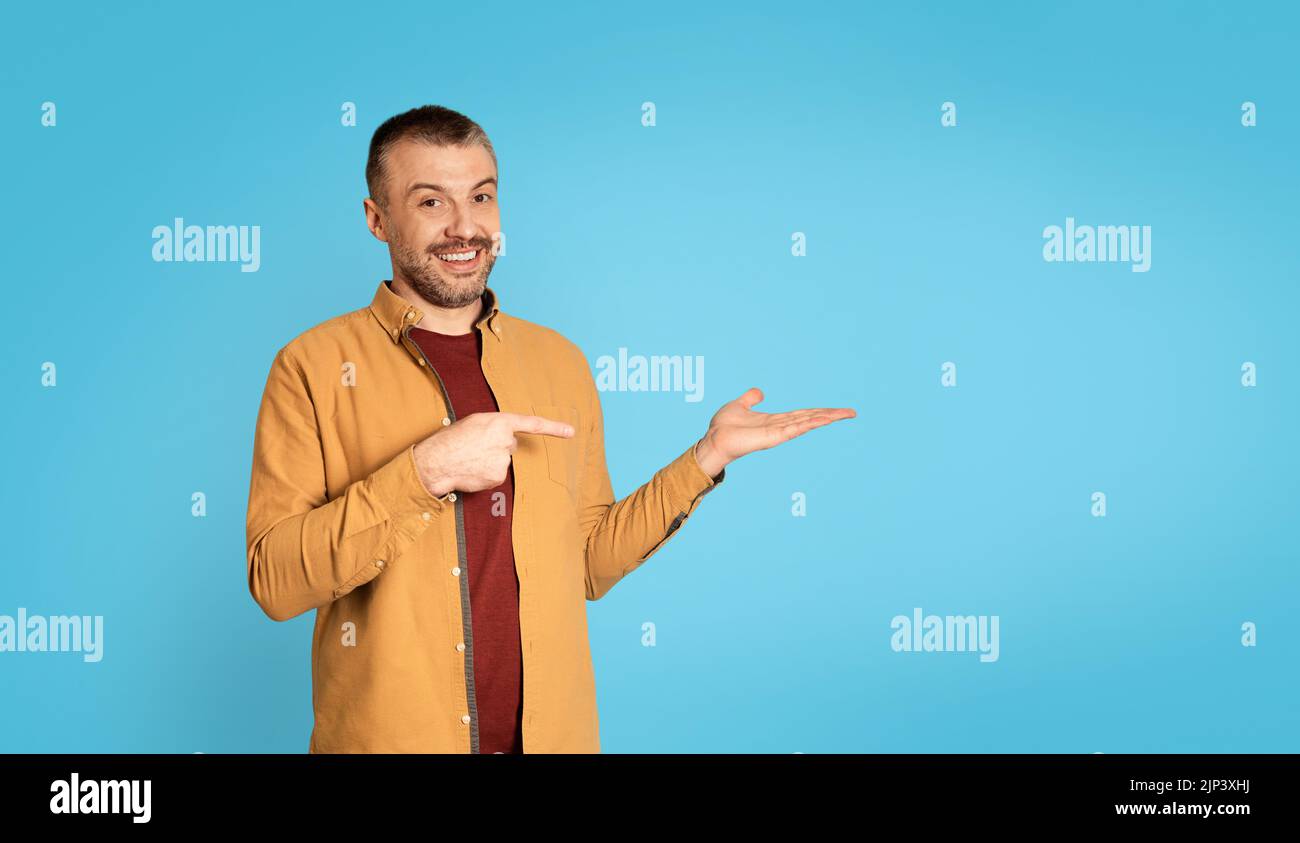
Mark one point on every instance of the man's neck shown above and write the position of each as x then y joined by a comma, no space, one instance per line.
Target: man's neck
442,320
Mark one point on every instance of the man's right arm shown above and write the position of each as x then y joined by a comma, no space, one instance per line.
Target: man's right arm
305,551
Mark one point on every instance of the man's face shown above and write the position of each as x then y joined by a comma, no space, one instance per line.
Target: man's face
442,215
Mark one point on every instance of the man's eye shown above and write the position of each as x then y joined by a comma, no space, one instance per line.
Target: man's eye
427,201
486,197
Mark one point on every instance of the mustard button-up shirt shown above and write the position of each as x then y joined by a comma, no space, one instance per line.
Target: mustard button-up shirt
339,521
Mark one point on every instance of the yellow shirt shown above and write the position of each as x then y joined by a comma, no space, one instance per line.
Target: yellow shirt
339,522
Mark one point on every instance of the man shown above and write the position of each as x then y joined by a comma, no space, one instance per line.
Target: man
429,475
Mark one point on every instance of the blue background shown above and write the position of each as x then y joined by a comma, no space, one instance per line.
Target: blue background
1118,634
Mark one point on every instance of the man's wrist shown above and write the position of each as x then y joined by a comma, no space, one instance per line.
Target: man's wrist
438,485
708,458
439,488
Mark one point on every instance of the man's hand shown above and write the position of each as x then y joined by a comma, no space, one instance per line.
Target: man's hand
473,453
736,430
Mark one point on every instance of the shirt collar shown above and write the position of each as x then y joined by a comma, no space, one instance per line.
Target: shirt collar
395,312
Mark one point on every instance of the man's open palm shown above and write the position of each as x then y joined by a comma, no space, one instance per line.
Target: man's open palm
737,429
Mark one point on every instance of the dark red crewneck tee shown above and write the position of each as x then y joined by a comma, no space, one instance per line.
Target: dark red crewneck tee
493,584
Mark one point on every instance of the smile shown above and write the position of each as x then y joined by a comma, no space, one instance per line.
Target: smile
462,261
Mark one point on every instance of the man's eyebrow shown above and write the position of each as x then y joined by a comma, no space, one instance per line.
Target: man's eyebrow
427,186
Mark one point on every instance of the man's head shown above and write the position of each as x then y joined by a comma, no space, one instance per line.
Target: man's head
432,175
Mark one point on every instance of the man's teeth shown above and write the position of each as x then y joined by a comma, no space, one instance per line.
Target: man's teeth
459,256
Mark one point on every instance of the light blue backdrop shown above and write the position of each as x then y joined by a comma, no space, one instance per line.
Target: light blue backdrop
1121,633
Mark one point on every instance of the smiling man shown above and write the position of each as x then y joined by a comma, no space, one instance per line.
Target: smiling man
429,475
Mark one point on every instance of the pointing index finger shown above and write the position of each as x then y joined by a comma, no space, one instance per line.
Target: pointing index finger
523,423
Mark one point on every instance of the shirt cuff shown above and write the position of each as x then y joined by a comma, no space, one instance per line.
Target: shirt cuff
686,481
397,487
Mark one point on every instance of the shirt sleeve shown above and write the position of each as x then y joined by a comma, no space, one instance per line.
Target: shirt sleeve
305,550
620,535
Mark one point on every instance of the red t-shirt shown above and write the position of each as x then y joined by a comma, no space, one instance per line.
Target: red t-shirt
493,584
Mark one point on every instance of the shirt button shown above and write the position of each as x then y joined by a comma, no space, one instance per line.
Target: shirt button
464,718
455,572
451,496
420,361
460,648
426,516
445,421
379,563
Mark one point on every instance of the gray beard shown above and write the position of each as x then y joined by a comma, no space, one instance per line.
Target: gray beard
421,270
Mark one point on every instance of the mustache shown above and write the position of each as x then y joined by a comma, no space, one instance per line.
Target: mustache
476,245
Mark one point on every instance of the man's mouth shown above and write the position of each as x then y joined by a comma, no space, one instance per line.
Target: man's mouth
463,260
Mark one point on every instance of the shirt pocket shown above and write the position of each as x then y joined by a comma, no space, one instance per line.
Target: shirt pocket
562,455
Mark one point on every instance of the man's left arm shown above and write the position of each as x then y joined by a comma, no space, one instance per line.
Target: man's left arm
620,535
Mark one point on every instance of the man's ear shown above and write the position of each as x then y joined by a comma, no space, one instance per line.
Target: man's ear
374,219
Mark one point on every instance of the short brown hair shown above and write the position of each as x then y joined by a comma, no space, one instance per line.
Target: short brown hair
430,124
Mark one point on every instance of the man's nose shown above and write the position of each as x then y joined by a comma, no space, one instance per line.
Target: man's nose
461,226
